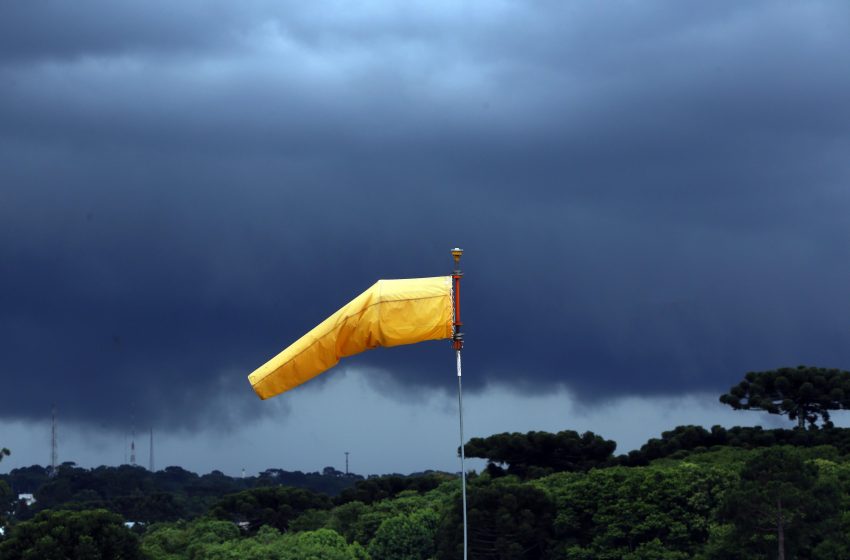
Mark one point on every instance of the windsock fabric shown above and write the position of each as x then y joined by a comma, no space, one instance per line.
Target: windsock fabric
390,313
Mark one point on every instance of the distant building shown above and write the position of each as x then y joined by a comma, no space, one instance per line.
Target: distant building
29,499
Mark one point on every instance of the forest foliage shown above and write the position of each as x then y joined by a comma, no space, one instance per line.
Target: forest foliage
703,502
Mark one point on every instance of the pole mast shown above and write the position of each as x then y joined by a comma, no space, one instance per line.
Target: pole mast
133,443
457,344
54,445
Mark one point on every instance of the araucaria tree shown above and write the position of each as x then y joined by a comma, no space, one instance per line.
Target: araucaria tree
803,393
537,454
781,504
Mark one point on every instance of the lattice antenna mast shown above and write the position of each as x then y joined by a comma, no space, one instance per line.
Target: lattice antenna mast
346,463
133,444
150,466
54,445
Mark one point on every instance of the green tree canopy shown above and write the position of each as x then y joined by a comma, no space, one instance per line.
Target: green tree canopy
803,393
71,535
646,513
780,508
406,536
275,506
507,521
540,453
220,540
379,488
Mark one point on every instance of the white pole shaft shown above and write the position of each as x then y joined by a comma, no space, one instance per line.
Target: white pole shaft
462,468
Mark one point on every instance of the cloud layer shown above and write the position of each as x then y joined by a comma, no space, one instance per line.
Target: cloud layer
652,197
351,412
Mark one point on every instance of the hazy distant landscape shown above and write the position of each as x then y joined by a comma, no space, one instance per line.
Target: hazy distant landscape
691,493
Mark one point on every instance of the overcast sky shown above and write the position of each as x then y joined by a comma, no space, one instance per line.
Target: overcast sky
653,199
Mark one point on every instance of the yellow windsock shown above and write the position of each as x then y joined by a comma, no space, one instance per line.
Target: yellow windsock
390,313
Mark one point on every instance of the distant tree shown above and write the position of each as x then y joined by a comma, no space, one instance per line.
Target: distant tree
220,540
803,393
345,520
406,536
174,479
275,506
6,496
214,484
7,502
663,511
167,541
310,520
71,535
685,440
150,508
330,481
379,488
330,471
779,506
537,454
323,543
680,439
507,521
177,541
28,479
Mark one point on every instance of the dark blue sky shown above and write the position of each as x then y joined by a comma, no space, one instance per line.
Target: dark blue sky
653,196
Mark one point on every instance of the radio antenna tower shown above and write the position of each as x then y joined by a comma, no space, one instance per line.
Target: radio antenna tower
346,463
150,467
54,445
133,444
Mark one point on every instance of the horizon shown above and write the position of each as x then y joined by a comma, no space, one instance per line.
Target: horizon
657,416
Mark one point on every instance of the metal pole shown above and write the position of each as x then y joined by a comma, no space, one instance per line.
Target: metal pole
457,344
462,457
54,446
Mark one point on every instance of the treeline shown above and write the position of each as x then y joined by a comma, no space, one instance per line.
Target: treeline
723,503
693,493
537,454
238,525
140,495
685,439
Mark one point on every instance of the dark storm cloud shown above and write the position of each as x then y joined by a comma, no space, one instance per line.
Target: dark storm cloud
652,198
59,30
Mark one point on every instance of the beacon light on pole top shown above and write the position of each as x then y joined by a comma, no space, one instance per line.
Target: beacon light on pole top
456,253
